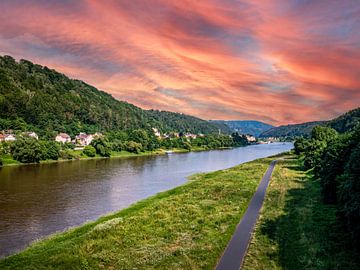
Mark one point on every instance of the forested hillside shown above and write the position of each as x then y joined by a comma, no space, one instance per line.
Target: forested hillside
343,123
246,126
292,130
33,97
346,121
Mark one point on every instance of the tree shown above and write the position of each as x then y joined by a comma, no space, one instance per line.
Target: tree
349,194
50,150
133,147
102,146
26,150
90,151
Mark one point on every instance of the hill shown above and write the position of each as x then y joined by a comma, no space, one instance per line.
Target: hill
246,126
303,129
346,121
343,123
34,97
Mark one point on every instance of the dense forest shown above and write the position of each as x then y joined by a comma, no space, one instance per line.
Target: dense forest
245,126
341,124
33,97
292,130
334,159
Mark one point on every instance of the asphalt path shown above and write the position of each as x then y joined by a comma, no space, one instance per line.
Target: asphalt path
235,252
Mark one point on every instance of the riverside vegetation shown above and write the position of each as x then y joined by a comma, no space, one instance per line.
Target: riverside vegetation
136,142
311,214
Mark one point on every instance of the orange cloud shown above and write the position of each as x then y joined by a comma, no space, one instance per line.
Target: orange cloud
276,61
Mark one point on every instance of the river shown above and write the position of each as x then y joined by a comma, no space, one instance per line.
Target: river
38,200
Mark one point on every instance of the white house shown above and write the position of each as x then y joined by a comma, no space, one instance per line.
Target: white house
31,134
190,135
63,138
250,138
156,132
84,139
9,138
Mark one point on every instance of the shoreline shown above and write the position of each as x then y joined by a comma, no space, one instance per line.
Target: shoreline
123,154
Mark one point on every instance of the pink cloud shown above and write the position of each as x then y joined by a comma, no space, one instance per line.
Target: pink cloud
276,61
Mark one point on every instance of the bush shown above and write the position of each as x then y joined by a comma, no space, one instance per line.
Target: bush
50,150
133,147
90,151
349,195
102,146
26,150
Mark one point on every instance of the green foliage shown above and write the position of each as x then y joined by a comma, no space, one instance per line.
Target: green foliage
349,195
336,162
26,150
90,151
102,146
133,147
50,150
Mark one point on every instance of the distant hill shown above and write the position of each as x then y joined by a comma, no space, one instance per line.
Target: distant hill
246,126
292,130
33,97
342,124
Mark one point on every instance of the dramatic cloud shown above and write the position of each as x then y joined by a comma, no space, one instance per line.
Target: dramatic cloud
276,61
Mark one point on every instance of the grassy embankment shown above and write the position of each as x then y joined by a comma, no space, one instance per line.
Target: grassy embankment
184,228
296,230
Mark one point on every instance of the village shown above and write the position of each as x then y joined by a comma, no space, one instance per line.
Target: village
80,140
83,139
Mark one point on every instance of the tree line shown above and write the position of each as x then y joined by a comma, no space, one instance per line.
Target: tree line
30,150
335,161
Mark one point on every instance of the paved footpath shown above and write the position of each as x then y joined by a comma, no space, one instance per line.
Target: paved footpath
235,252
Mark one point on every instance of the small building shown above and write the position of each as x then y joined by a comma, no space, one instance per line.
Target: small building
83,139
2,137
156,132
63,138
31,134
190,135
250,138
9,138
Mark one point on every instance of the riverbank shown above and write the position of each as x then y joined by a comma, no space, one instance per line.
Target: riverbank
7,160
184,228
296,230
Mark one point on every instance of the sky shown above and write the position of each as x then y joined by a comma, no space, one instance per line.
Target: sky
280,62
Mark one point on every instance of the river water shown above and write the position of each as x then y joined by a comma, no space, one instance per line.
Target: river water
38,200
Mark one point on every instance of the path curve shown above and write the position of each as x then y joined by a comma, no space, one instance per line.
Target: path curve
235,252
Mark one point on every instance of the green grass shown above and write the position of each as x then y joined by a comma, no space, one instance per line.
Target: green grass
184,228
8,160
296,230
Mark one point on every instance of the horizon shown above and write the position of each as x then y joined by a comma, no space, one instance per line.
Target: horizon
277,62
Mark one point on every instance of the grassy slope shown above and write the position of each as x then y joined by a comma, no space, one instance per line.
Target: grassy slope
295,230
185,228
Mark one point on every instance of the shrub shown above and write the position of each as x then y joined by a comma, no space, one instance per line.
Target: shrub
90,151
133,147
26,150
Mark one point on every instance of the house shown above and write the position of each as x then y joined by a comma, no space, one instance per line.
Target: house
9,138
2,137
250,138
63,138
190,135
83,139
31,134
156,132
